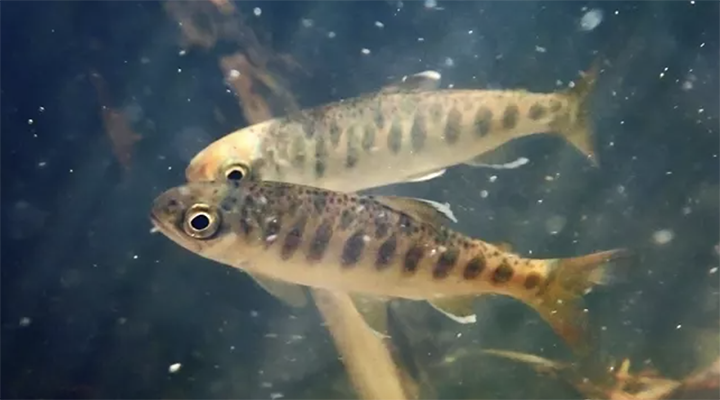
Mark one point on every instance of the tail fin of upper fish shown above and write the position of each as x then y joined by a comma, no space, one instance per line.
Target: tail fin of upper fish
577,127
560,302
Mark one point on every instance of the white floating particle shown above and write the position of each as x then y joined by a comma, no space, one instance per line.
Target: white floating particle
135,257
41,109
678,327
331,34
257,11
365,51
30,121
540,49
470,32
274,396
379,24
702,44
42,164
25,321
484,194
174,368
430,3
713,270
420,39
591,19
663,236
254,313
493,178
449,62
182,52
307,23
701,110
179,70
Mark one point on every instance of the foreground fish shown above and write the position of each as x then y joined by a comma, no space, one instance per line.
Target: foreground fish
406,132
373,247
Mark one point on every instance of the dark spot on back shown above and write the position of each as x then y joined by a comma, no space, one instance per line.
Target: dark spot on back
319,201
368,140
320,241
453,126
405,224
510,116
532,281
445,263
474,267
412,258
382,225
293,239
483,121
418,132
353,249
503,273
537,111
346,219
394,140
386,252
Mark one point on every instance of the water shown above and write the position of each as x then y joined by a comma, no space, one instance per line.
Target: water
94,306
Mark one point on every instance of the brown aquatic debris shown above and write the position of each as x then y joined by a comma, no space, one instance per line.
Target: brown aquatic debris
117,127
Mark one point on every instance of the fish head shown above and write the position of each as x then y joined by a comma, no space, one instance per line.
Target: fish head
232,157
200,216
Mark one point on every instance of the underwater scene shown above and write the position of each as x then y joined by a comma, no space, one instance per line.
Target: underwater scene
360,199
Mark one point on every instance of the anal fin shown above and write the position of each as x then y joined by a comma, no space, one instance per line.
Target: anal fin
293,295
459,309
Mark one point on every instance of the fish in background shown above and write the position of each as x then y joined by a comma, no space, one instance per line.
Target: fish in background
373,247
409,131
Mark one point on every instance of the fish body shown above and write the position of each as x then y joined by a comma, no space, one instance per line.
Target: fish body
405,132
378,246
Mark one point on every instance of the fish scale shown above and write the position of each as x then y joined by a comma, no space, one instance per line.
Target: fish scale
382,246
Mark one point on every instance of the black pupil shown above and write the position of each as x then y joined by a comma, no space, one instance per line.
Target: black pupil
235,175
200,222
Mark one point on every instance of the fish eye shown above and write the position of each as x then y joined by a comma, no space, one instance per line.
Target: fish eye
201,222
236,172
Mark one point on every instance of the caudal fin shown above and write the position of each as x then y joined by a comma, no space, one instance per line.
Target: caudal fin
576,128
560,301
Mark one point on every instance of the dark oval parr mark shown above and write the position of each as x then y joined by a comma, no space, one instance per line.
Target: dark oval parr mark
353,249
445,263
474,267
320,241
386,253
483,121
510,117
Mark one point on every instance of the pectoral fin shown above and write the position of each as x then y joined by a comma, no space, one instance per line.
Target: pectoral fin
374,312
427,177
426,210
426,80
293,295
477,163
459,309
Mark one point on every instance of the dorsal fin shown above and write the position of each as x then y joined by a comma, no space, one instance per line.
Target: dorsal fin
426,80
424,210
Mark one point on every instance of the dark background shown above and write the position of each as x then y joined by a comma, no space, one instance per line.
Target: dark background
93,305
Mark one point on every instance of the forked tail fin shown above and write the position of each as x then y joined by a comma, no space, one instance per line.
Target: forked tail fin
577,127
560,301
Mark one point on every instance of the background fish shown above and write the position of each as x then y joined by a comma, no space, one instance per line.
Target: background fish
376,246
405,132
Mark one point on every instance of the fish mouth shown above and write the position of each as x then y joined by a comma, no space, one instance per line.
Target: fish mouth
165,228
